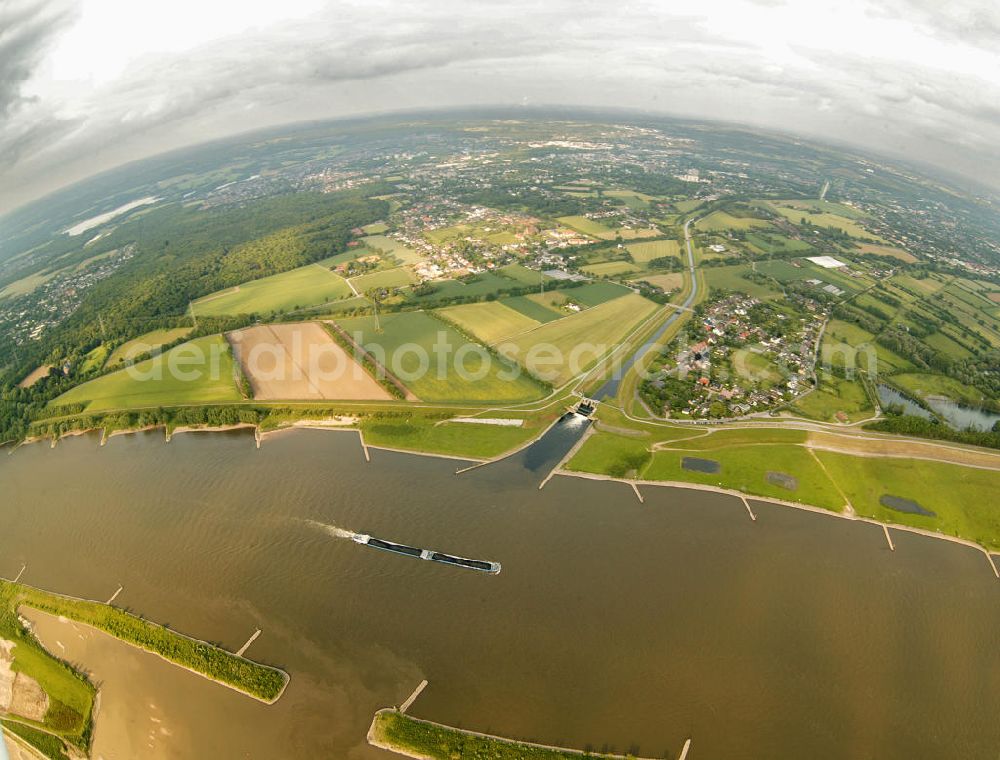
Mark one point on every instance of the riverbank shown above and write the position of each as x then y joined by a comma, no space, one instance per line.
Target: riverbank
261,682
396,732
785,503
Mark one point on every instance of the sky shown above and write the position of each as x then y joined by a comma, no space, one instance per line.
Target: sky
86,85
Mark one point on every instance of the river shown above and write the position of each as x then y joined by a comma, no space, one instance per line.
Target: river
613,624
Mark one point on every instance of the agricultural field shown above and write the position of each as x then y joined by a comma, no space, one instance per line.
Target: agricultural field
385,278
289,291
667,282
731,278
765,243
587,227
199,371
146,342
535,308
479,286
375,228
631,198
844,219
301,361
610,268
596,293
403,253
489,321
643,253
406,347
719,221
888,250
523,275
578,341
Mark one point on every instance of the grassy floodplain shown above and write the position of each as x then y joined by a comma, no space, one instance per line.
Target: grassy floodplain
432,741
421,331
208,358
259,681
296,289
960,496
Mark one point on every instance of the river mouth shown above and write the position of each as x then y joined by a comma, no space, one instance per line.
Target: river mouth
614,623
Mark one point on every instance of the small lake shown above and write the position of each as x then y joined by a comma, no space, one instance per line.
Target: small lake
957,416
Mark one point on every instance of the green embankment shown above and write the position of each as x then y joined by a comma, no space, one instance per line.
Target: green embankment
962,498
71,695
459,439
197,372
419,738
259,681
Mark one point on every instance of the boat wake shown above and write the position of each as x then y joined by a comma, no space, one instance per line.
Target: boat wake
336,532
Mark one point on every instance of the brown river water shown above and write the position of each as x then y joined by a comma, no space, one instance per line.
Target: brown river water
613,624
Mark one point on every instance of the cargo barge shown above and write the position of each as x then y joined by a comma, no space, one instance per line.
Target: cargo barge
411,551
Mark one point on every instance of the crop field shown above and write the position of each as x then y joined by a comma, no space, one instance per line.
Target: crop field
643,253
478,287
532,307
199,371
610,268
408,339
301,361
588,227
769,243
719,221
146,342
838,221
947,346
731,278
376,228
963,498
631,198
490,321
296,289
888,250
581,339
596,293
523,275
667,282
384,244
385,278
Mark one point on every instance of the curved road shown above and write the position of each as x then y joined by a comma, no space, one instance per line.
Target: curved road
610,388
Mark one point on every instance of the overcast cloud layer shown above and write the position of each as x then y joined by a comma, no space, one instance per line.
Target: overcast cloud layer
88,84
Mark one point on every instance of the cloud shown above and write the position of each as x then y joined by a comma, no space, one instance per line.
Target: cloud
771,64
27,27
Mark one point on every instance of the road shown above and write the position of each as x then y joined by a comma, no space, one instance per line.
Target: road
610,388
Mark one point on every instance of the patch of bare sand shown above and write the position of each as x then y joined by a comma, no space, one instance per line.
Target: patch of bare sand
35,376
301,361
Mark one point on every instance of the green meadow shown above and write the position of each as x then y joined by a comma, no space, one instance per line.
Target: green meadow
406,346
199,371
296,289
